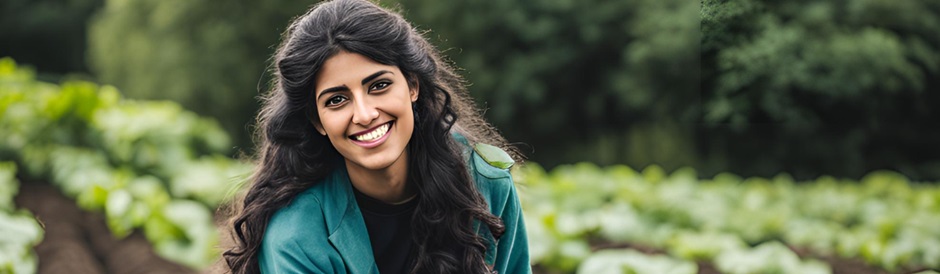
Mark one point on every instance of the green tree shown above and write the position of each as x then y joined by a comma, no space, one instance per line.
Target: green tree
605,81
755,87
585,73
47,34
838,87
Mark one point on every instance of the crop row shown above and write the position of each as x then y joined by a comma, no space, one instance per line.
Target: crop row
752,225
16,253
147,165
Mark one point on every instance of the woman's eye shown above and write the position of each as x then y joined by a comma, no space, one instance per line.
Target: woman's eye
380,85
335,100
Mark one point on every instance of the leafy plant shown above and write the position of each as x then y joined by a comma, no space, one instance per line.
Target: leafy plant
16,252
741,225
147,165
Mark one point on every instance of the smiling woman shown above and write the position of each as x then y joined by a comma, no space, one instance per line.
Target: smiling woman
373,159
365,108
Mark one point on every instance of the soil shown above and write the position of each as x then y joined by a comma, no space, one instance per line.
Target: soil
79,242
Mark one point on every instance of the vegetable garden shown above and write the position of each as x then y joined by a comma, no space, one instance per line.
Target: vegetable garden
580,216
155,171
146,165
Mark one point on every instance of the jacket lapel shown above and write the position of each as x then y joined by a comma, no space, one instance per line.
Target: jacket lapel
348,234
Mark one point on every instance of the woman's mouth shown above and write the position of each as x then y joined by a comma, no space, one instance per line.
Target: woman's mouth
372,136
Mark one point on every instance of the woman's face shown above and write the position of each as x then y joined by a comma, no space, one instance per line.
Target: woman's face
364,107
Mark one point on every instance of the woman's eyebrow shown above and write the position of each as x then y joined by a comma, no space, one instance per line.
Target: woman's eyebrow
364,81
332,89
374,75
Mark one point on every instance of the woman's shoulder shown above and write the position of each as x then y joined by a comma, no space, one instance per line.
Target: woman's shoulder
490,168
308,213
490,161
296,239
485,159
300,218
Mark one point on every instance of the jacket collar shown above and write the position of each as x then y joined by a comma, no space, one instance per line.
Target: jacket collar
347,230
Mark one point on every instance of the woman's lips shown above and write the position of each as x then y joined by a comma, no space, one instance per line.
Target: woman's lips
372,137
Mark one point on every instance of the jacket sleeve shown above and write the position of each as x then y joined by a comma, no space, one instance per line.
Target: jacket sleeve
513,247
490,167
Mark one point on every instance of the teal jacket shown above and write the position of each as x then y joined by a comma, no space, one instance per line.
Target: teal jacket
322,230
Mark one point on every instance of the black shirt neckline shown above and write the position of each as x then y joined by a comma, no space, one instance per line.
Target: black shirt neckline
375,206
390,235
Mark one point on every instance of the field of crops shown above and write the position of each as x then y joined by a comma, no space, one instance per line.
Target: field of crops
155,168
578,215
146,165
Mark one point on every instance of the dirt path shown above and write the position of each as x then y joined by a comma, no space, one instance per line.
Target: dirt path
79,242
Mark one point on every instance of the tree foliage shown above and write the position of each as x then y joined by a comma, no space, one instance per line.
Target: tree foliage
543,68
835,86
557,74
48,34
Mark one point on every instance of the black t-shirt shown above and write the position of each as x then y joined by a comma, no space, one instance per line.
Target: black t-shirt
389,229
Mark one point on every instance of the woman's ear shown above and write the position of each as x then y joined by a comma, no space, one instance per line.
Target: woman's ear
315,120
413,88
319,127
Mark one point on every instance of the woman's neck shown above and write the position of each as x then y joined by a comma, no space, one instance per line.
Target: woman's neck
389,185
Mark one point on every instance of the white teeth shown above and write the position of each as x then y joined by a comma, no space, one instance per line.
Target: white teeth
375,134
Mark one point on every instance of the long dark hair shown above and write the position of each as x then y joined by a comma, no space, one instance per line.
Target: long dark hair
292,156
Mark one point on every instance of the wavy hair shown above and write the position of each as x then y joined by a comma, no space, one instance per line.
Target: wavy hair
292,156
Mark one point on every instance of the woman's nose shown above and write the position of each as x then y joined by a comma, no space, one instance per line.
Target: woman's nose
364,112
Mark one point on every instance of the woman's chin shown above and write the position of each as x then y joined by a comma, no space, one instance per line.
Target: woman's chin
373,162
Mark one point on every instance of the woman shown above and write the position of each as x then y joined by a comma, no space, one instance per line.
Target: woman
373,159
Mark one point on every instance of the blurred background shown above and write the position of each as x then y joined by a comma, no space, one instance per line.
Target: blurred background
107,104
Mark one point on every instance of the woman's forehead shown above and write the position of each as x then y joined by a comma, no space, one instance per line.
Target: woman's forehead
346,68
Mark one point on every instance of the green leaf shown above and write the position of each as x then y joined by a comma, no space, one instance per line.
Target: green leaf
118,204
494,156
